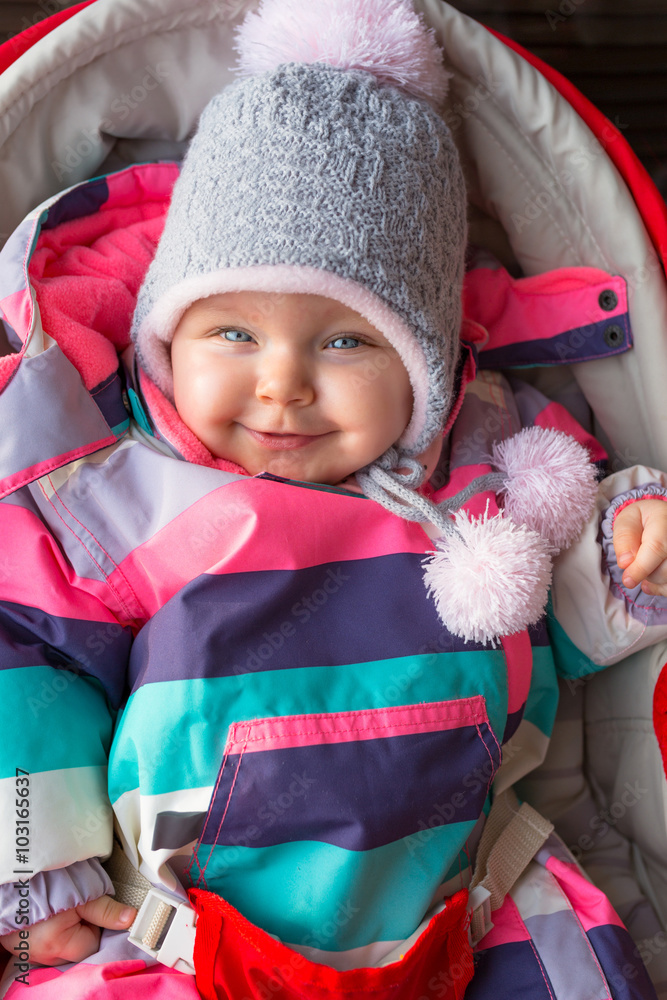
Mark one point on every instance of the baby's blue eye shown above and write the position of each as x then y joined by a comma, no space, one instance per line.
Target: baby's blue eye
345,342
236,336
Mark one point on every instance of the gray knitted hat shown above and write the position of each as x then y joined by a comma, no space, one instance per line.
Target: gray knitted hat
328,180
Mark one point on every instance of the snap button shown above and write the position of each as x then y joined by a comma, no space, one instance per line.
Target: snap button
608,299
613,336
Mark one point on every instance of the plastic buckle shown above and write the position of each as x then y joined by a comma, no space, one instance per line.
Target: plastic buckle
479,908
164,927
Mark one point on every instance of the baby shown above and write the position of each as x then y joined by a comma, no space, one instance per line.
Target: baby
299,322
271,383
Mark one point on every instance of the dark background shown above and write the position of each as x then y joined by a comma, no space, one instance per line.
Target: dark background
614,51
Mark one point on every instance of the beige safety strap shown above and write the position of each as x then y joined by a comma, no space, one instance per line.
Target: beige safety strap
512,835
130,886
131,889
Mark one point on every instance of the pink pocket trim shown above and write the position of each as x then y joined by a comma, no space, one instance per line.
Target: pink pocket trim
343,727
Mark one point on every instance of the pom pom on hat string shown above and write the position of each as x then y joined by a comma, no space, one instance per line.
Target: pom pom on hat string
550,484
384,37
490,579
490,576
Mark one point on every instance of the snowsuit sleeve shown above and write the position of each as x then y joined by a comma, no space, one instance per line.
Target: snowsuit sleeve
597,620
63,659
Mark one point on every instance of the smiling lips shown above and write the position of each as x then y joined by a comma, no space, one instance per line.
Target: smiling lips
283,442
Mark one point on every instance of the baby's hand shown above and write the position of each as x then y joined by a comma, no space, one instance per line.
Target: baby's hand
640,543
72,935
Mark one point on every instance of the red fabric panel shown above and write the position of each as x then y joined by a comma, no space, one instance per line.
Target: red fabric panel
648,199
660,714
234,959
15,47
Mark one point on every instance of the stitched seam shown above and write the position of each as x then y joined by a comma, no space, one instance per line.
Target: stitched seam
540,964
367,729
495,740
222,820
145,30
533,148
209,810
493,766
57,463
195,853
583,932
112,561
85,548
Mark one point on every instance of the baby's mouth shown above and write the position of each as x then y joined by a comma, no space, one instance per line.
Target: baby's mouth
283,442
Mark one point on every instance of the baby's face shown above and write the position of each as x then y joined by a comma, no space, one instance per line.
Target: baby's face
297,385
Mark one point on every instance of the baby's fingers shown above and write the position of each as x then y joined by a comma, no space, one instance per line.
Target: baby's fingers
107,912
649,561
627,536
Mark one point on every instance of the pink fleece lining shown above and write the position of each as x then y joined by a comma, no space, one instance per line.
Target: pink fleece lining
158,327
86,274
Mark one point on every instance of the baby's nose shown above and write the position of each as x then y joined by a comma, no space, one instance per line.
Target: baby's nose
285,378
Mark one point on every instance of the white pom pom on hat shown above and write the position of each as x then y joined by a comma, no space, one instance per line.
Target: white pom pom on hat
384,37
490,578
550,483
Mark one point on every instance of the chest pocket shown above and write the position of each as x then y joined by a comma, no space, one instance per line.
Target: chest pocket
355,780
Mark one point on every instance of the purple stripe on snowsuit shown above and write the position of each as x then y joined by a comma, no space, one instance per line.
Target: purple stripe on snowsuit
108,396
647,608
513,722
83,200
173,830
420,780
509,972
44,434
539,636
584,343
237,623
30,637
619,957
12,336
54,891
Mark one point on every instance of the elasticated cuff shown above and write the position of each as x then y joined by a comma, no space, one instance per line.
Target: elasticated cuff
51,892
